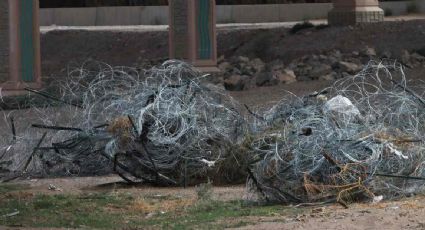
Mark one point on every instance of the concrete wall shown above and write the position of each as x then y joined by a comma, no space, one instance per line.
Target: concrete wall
421,4
158,15
271,13
397,8
400,7
105,16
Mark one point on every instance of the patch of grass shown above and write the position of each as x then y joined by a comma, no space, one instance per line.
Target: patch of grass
116,211
206,215
204,191
63,211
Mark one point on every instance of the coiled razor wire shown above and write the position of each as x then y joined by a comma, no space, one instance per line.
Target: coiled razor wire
160,125
360,138
373,146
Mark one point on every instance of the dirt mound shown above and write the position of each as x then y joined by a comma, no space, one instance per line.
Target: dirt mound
131,48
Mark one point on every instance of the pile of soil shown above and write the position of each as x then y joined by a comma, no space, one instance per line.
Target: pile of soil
63,49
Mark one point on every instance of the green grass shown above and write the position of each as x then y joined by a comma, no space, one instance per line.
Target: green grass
114,211
219,215
62,211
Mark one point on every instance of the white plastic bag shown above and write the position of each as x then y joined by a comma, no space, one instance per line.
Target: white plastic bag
341,105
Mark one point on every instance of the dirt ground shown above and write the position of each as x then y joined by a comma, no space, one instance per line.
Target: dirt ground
65,49
407,213
403,214
264,97
78,185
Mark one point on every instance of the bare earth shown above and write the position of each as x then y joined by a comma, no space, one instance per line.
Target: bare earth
403,214
407,213
78,185
63,48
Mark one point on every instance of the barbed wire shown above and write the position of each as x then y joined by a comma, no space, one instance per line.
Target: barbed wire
157,125
361,137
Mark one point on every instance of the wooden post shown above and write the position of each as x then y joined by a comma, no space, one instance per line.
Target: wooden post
192,34
20,64
351,12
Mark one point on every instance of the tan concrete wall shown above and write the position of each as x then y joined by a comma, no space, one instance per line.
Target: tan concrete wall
158,15
421,4
397,8
246,14
69,16
4,41
298,12
114,16
272,13
154,15
400,8
105,16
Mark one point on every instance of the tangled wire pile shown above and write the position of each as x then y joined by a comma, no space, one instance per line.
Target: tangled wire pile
363,137
160,126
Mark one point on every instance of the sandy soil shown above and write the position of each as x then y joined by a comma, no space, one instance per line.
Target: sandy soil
403,214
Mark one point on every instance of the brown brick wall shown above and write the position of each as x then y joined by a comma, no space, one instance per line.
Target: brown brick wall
4,40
